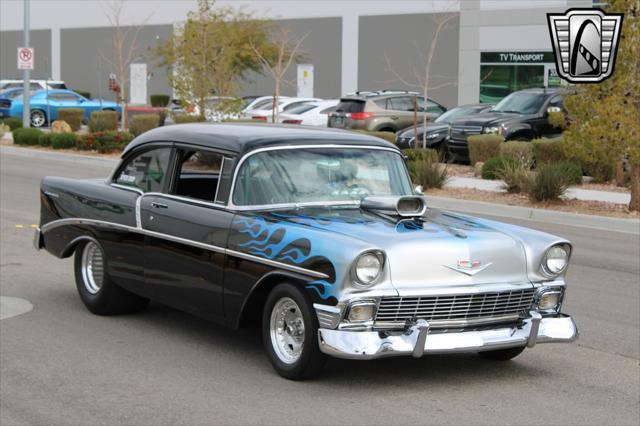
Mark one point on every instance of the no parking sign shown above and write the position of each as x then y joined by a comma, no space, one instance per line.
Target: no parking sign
25,58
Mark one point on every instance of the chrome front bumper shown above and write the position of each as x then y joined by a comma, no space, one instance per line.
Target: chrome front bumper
419,339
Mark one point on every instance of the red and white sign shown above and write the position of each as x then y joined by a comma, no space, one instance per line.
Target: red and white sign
25,58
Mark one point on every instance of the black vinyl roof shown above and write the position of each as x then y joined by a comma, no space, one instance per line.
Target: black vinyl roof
244,137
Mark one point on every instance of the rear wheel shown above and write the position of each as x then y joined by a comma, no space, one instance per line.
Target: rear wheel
38,118
502,354
290,333
99,294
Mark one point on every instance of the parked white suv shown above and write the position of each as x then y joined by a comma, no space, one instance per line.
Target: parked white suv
34,84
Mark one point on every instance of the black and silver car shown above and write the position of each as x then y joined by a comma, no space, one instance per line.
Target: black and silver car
438,130
316,236
521,116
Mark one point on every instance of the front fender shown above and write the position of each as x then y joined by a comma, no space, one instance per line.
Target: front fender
518,129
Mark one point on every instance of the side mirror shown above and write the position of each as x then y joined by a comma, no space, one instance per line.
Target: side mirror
553,109
419,190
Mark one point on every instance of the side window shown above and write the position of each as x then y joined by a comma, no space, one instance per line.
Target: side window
434,107
557,101
328,110
198,175
404,103
147,171
382,103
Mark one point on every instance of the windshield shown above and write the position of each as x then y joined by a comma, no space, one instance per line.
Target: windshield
453,114
300,109
325,175
521,103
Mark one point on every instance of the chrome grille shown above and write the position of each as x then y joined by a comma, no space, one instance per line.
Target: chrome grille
461,307
463,132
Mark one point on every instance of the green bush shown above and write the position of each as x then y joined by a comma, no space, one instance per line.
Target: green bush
73,117
521,152
4,129
103,120
27,136
483,147
143,122
12,122
45,139
557,120
83,93
428,172
491,166
549,183
160,101
187,118
415,154
63,140
547,151
600,170
572,172
104,141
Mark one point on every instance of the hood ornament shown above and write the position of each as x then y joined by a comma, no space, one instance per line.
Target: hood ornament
469,267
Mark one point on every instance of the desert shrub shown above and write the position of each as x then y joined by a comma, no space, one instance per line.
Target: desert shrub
492,165
104,141
483,147
83,93
572,172
428,172
4,129
601,170
143,122
415,154
63,140
521,152
27,136
159,101
548,150
103,120
549,183
13,123
515,175
73,117
186,118
557,120
45,139
162,116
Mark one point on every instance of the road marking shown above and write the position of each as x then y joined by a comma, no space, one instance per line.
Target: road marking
34,226
13,306
19,226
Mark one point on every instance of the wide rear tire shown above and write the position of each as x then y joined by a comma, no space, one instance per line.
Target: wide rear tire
290,333
96,289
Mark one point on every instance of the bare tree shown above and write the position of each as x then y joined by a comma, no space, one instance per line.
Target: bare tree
276,64
425,81
124,42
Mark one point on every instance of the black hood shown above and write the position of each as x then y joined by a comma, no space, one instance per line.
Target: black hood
490,119
431,128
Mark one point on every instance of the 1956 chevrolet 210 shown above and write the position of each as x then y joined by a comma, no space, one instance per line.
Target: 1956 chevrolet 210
316,235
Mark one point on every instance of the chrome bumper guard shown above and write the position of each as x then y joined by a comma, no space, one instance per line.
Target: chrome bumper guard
37,239
418,340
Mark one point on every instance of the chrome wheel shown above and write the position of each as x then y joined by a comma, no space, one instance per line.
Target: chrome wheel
287,330
38,119
92,267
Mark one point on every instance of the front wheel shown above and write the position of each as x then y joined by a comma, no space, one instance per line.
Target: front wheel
290,333
38,118
502,354
99,294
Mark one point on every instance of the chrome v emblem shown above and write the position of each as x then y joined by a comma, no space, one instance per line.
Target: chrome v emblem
469,267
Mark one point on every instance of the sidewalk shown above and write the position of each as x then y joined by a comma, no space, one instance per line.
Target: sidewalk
573,192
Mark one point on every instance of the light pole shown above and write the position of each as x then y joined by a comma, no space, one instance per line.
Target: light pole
26,74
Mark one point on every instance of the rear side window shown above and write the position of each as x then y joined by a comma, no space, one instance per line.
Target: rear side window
350,105
404,103
147,171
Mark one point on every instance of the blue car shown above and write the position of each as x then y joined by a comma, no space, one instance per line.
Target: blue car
44,104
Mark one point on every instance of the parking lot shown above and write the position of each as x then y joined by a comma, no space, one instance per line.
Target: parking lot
63,365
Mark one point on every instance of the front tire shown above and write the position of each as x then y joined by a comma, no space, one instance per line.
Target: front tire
502,354
96,289
290,333
38,118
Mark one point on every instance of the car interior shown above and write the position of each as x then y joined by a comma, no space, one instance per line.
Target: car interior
198,175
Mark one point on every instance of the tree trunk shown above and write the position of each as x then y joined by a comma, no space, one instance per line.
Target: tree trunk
634,205
619,173
415,122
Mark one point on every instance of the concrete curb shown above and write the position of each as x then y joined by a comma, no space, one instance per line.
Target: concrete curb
628,226
59,156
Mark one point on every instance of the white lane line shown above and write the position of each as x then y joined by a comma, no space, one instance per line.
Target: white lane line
13,306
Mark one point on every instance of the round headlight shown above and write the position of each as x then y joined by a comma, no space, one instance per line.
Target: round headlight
368,268
556,259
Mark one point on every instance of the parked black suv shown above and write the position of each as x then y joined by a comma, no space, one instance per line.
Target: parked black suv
521,116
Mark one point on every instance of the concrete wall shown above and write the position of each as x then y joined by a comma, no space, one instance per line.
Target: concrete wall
83,52
401,38
323,46
9,43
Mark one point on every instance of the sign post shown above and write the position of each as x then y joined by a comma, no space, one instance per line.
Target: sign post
305,80
138,84
25,57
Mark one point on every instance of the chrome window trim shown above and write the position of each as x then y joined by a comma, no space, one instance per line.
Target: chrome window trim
219,179
232,206
139,230
127,188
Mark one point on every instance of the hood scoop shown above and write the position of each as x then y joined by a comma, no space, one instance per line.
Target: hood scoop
395,205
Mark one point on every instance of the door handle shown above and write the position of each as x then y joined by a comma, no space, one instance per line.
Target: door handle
394,117
159,205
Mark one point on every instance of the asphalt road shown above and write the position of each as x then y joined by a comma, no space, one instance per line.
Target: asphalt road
59,364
